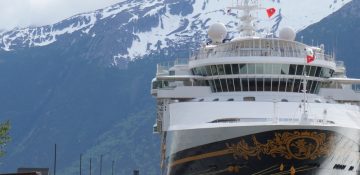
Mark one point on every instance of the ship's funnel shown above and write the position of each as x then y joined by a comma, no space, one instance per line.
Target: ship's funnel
217,32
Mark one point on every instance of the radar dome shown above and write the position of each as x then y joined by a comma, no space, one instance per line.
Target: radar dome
217,32
287,33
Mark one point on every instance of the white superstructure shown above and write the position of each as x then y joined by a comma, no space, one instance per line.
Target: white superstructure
252,85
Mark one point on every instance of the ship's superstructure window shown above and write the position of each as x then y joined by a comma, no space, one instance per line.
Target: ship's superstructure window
249,99
260,47
275,69
263,77
159,84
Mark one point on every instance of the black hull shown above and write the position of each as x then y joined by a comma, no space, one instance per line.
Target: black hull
275,152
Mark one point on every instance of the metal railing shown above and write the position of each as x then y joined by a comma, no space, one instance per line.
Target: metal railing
163,68
257,52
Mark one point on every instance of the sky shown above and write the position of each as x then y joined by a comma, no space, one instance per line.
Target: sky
23,13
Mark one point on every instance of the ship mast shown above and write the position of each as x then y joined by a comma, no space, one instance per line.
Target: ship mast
247,27
305,116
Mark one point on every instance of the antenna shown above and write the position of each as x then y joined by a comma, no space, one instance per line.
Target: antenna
247,28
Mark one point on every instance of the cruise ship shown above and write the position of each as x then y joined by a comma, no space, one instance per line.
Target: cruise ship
257,105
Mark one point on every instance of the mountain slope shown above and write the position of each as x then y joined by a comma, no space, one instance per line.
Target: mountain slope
339,32
153,25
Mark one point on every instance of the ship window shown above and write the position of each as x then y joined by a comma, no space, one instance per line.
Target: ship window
243,68
249,99
297,83
322,73
259,68
208,70
212,85
237,84
275,84
166,83
251,68
203,70
313,87
267,84
218,85
332,73
307,70
292,69
260,84
285,69
221,70
235,68
154,85
198,71
230,99
230,83
313,70
289,86
299,70
318,72
201,100
268,69
326,73
276,69
224,85
301,86
282,85
206,83
228,69
214,70
308,85
252,85
193,71
245,84
216,99
256,43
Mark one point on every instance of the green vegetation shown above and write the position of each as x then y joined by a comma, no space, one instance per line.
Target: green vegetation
4,136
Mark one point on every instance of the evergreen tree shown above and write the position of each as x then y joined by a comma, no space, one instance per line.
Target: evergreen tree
4,136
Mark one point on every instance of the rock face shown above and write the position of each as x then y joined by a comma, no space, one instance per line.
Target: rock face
84,82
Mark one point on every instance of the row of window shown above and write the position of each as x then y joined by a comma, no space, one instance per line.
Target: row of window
282,69
263,84
159,84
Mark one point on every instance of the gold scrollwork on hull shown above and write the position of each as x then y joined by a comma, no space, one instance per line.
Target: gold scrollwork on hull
291,145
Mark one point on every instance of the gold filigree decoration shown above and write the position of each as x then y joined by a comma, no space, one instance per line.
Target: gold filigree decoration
291,145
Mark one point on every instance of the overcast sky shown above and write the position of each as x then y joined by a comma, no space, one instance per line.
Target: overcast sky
22,13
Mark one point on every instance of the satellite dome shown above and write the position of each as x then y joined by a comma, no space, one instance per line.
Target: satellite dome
217,32
287,33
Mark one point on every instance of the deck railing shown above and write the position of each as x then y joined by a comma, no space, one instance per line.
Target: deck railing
257,52
163,68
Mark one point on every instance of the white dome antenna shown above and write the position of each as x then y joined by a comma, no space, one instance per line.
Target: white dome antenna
287,33
217,33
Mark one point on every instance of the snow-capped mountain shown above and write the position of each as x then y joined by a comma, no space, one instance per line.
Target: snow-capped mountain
134,28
